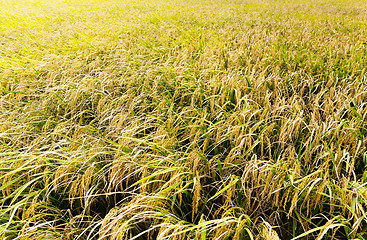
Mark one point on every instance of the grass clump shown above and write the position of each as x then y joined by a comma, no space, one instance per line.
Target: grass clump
183,120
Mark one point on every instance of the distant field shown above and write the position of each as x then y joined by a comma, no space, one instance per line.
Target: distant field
172,119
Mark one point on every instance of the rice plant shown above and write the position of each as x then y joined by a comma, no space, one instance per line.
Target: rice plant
152,119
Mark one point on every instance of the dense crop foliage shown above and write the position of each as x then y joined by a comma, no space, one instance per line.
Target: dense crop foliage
153,119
